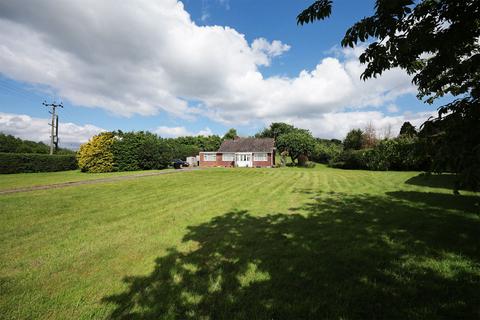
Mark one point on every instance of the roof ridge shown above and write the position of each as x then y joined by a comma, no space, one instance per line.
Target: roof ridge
248,144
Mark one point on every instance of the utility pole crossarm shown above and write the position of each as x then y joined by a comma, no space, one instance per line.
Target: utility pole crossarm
54,124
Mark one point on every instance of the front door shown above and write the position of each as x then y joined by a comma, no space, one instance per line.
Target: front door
244,159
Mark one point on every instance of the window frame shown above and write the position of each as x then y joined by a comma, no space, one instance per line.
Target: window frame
263,158
231,154
211,154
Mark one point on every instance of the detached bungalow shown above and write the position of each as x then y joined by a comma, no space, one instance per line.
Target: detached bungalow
241,152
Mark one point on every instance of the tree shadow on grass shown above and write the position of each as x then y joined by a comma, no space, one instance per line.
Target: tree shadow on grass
444,181
338,256
440,200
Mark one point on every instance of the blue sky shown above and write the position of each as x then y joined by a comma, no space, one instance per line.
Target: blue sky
264,85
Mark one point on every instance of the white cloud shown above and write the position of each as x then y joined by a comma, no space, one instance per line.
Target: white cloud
205,16
37,129
337,124
137,57
141,57
206,4
172,132
204,132
392,108
267,50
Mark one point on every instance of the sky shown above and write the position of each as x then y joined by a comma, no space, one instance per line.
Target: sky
192,67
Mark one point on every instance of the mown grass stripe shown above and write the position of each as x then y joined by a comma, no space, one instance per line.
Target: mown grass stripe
328,235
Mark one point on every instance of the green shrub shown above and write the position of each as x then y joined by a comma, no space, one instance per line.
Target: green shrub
34,162
325,151
310,164
402,153
96,155
349,159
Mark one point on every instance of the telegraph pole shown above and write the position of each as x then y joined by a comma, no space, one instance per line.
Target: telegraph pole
54,124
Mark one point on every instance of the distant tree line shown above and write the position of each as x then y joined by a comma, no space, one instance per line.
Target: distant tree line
11,144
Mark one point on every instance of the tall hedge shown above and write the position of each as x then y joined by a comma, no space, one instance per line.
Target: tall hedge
140,151
35,162
402,153
129,151
325,150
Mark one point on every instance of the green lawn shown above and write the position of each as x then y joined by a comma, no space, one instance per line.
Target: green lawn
12,181
283,243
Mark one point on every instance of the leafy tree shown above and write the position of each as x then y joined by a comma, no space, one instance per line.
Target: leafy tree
353,140
408,129
275,130
230,135
204,143
437,43
182,151
298,144
325,150
96,155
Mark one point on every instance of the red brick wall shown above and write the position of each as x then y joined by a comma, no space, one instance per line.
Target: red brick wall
217,163
220,163
267,163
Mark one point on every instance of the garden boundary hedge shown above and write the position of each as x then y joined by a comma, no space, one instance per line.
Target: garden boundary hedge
35,162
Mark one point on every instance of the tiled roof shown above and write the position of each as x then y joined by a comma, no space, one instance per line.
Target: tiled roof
248,145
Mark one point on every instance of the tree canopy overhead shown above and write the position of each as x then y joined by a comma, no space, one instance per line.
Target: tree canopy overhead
437,42
408,129
275,130
353,140
297,143
230,134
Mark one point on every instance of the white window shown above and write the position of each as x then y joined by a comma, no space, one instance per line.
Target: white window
243,157
228,156
209,157
260,157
